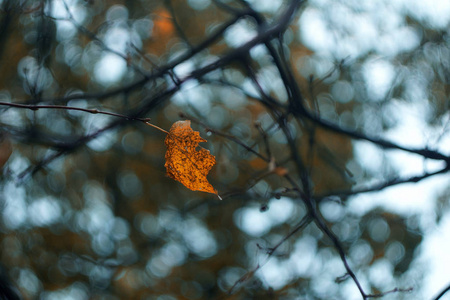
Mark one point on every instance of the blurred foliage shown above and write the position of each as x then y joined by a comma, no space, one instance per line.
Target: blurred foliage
87,210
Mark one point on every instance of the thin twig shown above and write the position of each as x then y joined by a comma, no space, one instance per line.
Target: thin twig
159,128
62,107
302,224
338,246
94,37
227,136
444,291
427,153
150,104
396,290
169,6
382,185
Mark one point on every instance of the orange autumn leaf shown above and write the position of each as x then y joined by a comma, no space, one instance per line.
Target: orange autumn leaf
184,162
163,24
5,149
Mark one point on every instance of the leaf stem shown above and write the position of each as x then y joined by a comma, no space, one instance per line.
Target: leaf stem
159,128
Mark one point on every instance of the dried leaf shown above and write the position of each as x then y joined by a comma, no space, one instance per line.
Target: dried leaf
184,162
5,149
280,171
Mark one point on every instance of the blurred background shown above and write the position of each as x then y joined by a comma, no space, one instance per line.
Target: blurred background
87,211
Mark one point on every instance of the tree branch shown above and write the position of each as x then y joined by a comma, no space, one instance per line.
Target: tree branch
382,185
444,291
